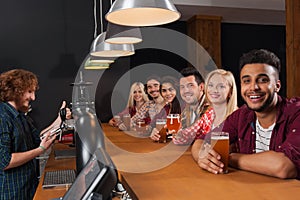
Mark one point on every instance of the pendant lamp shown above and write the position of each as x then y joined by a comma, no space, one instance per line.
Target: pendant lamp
101,48
98,62
142,12
118,34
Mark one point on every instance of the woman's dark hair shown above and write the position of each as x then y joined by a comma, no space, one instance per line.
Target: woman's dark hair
176,103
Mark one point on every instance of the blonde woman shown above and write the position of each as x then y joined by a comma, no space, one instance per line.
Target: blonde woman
221,94
137,98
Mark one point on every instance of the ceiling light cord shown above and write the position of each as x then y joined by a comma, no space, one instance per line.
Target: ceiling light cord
95,19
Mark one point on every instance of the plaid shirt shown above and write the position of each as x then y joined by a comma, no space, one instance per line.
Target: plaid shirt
18,182
200,127
148,110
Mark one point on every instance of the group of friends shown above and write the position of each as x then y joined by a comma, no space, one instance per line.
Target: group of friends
264,133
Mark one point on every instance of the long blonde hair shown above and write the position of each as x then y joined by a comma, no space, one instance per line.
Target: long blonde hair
131,102
232,95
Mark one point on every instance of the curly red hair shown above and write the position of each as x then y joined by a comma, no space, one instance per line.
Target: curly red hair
14,83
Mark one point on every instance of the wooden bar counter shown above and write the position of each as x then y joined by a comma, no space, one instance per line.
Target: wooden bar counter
183,179
52,165
180,178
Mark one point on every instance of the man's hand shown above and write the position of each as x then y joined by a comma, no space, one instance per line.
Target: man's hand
47,140
209,160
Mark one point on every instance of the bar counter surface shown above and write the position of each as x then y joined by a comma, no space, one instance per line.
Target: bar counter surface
53,165
181,179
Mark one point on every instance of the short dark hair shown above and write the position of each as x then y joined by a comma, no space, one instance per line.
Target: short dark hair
153,77
260,56
191,71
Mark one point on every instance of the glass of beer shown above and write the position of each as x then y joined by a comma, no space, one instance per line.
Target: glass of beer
173,122
126,121
117,119
140,126
220,143
160,123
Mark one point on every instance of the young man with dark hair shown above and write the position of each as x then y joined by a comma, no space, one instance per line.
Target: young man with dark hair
192,92
264,133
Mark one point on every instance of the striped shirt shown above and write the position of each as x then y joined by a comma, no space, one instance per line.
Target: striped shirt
263,137
16,135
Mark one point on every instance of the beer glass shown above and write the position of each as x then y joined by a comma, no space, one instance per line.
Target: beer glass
173,122
160,123
117,119
140,126
220,143
126,121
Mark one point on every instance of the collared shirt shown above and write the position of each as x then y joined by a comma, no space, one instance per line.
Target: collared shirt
161,115
285,135
200,127
18,182
189,115
147,111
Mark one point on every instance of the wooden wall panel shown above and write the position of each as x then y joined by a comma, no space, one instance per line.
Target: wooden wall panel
293,47
206,30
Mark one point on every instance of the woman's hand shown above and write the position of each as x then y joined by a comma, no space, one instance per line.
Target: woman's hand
122,127
112,122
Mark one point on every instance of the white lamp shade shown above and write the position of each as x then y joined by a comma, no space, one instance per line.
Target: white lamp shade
142,12
100,48
118,34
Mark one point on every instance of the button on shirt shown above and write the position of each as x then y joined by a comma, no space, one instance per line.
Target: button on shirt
15,136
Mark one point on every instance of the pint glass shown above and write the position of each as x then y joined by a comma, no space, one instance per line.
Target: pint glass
141,126
126,121
160,123
173,122
220,143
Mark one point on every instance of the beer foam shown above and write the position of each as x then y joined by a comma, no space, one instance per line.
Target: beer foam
219,137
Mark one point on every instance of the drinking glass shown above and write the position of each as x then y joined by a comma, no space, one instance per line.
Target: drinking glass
160,123
173,122
117,119
220,143
126,121
140,126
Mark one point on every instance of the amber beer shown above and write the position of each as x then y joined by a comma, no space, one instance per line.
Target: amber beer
160,123
140,126
173,122
220,143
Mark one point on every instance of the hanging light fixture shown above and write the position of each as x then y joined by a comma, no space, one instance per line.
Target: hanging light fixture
100,48
98,62
142,12
118,34
95,59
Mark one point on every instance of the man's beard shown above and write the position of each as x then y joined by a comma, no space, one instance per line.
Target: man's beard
22,107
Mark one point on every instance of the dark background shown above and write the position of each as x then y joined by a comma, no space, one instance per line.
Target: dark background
52,39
